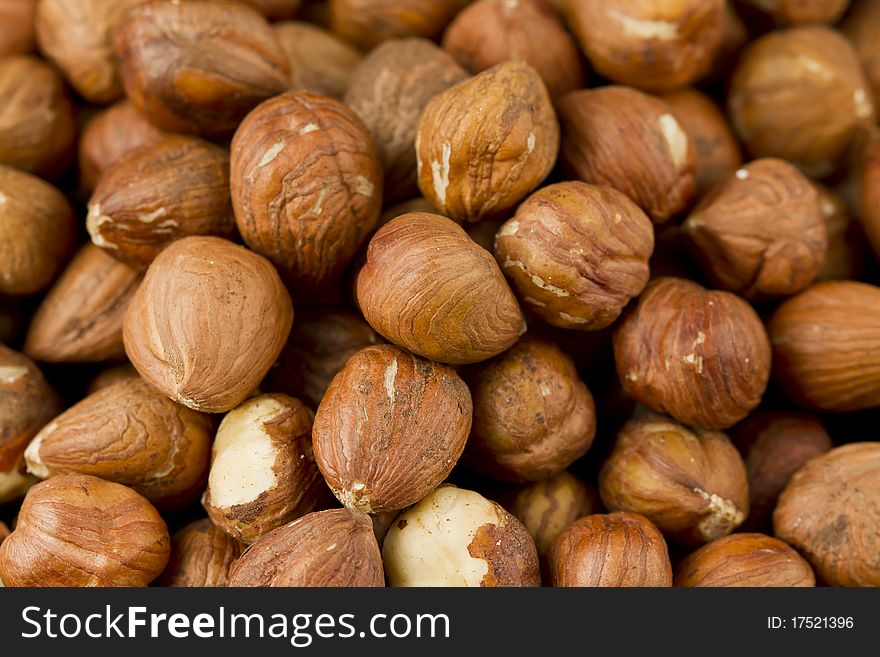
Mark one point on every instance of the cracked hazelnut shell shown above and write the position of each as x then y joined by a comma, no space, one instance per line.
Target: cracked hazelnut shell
319,61
201,556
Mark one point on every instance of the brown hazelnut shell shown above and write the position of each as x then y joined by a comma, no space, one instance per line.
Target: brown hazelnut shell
276,9
870,196
319,61
367,23
792,12
201,556
17,27
861,27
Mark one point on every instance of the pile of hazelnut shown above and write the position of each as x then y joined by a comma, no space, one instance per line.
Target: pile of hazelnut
585,293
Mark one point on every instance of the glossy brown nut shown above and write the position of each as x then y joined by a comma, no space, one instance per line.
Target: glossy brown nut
207,323
36,232
745,560
201,556
829,512
485,143
134,435
390,428
760,232
533,416
17,27
845,258
275,9
800,95
626,139
306,185
489,32
619,549
861,27
163,48
826,346
691,484
367,23
870,196
791,12
576,253
653,44
172,187
389,91
701,356
37,126
428,287
319,60
76,530
328,548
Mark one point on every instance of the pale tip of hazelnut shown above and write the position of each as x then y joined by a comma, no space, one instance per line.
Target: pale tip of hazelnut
644,28
32,459
723,516
9,374
440,174
94,221
355,497
676,139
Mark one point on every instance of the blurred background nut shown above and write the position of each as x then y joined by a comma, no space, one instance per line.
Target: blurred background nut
691,484
845,258
306,185
486,142
829,512
826,346
263,471
749,560
760,231
36,232
618,549
791,12
428,287
390,428
327,548
701,356
631,141
110,375
76,530
389,91
207,323
17,27
576,253
37,128
489,32
162,48
275,9
77,36
533,416
80,319
4,531
775,445
26,404
319,61
367,23
201,555
131,434
870,196
861,27
168,188
456,537
652,44
800,94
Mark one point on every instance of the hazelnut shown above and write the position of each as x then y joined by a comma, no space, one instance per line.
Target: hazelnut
169,188
861,27
263,471
4,531
760,231
533,416
716,151
619,549
77,36
485,143
829,512
390,428
870,196
631,141
327,548
701,356
110,375
382,522
428,287
207,323
576,253
654,44
456,537
77,530
80,319
163,49
691,484
112,133
319,61
389,91
845,257
26,404
131,434
201,556
745,560
775,446
306,184
36,232
17,27
489,32
37,127
825,346
320,344
275,9
791,12
367,23
800,94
